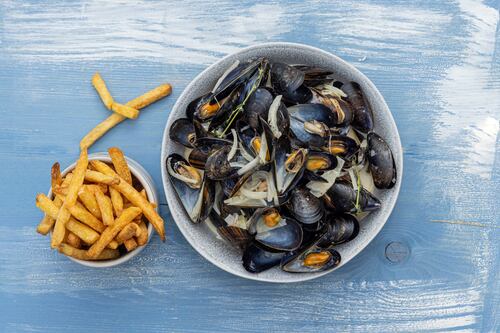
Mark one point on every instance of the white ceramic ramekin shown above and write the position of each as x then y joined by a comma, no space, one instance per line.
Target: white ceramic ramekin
147,182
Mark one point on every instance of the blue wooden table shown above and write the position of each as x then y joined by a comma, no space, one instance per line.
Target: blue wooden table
434,266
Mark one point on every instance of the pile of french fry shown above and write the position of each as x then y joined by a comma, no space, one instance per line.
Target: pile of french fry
96,213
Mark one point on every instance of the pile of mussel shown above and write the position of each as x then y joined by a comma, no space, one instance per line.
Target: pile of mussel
280,161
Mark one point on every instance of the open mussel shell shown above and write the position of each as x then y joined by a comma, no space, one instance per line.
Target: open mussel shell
217,166
252,191
257,106
363,115
382,165
182,131
228,105
195,193
342,198
320,161
248,137
239,74
312,259
340,145
339,229
285,78
304,206
256,259
275,231
278,119
234,235
289,164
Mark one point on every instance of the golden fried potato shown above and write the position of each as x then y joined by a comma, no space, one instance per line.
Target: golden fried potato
127,216
135,198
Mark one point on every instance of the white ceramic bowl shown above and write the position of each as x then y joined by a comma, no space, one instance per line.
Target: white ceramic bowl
147,182
223,255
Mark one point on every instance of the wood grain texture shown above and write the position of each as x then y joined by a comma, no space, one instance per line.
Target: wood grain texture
437,63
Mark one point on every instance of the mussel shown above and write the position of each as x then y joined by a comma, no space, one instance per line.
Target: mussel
195,193
182,131
363,116
343,198
289,165
285,78
339,229
256,259
382,165
340,145
257,107
234,235
217,166
313,259
304,206
319,161
275,231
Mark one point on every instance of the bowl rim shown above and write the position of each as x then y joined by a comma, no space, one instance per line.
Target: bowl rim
351,68
145,179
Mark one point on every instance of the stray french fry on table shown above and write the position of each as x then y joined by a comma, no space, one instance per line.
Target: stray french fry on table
102,90
125,110
114,119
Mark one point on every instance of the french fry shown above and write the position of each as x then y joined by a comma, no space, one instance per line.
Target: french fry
73,240
87,234
46,205
134,197
48,222
145,195
129,231
130,244
142,239
113,245
151,96
105,206
92,187
83,215
117,201
110,233
102,90
71,251
114,119
64,214
88,199
56,180
45,225
125,110
120,163
55,175
97,177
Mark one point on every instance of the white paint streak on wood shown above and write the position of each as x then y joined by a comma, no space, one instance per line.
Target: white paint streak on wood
187,32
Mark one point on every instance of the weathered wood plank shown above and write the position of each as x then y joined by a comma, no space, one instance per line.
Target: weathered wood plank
436,63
